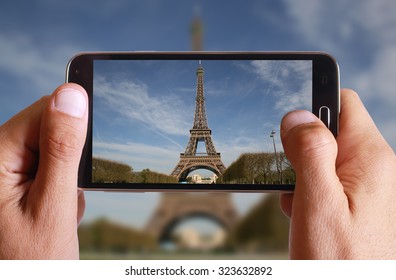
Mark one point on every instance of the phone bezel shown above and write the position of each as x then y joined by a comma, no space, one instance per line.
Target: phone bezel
325,92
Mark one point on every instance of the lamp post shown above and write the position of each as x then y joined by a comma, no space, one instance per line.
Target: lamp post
272,135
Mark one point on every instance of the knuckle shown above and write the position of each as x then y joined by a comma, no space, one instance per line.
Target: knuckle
62,143
310,140
314,138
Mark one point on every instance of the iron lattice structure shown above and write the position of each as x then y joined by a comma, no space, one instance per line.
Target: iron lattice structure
190,160
175,207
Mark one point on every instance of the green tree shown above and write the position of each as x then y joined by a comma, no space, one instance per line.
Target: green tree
106,171
105,236
148,176
264,228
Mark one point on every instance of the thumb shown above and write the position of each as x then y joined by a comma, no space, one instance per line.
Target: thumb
312,151
62,137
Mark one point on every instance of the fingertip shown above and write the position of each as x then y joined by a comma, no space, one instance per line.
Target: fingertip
349,92
71,99
71,86
296,118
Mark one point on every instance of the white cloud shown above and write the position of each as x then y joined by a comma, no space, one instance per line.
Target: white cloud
362,36
39,69
377,18
166,115
137,148
138,155
378,81
290,82
232,148
377,88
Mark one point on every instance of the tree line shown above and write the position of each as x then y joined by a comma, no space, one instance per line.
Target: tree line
106,171
105,236
259,168
265,228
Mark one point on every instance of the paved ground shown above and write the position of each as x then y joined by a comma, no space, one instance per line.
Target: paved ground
184,256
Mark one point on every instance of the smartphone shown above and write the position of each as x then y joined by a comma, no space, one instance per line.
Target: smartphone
197,121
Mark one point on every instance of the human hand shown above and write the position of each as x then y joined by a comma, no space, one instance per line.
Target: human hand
39,158
343,206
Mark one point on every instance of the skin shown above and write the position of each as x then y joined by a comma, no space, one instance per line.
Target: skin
40,206
344,205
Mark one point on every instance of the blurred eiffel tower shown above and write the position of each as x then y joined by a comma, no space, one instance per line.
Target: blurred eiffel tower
173,207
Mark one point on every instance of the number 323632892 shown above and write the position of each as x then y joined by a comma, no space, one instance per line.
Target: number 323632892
232,270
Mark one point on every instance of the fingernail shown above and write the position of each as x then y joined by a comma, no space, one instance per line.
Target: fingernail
71,102
296,118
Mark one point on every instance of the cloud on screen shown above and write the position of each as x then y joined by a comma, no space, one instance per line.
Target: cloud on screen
290,82
138,155
165,115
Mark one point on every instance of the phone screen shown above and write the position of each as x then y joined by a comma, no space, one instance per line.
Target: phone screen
195,121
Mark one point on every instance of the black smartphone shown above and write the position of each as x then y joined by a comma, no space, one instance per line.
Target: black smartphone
197,121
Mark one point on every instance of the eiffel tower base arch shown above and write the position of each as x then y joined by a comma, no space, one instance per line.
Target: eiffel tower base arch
174,207
188,164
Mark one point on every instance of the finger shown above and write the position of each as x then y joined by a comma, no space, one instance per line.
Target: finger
62,137
312,151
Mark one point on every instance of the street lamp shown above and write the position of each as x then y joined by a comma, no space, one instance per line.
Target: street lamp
272,135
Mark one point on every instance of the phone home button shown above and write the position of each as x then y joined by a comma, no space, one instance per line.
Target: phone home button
324,115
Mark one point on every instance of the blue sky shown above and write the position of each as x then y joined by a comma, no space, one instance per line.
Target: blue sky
143,110
37,38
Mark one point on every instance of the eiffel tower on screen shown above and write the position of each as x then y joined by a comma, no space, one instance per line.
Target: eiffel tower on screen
191,160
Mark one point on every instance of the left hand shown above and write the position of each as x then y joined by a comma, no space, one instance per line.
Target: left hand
40,205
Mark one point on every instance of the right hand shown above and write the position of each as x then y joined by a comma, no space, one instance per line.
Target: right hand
344,203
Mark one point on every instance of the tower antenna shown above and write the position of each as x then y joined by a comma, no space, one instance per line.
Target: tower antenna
196,29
